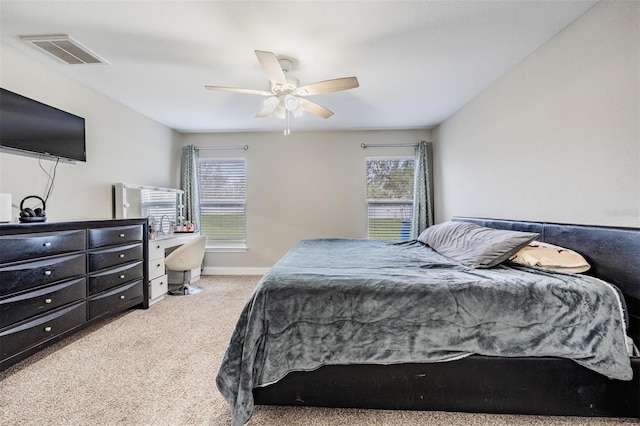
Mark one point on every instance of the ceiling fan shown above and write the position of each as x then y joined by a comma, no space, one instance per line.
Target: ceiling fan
286,98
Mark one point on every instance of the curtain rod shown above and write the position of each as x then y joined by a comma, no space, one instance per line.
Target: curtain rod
389,145
221,148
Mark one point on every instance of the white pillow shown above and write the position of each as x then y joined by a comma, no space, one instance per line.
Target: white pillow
549,256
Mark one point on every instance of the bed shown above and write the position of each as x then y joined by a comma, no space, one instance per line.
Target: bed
371,324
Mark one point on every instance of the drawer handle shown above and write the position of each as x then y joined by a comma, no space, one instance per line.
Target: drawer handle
158,265
122,276
121,235
47,272
48,301
47,329
47,244
158,246
121,256
122,297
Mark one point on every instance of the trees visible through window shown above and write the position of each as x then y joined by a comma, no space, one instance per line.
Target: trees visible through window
222,201
390,197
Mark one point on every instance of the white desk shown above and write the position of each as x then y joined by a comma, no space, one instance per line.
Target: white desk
159,279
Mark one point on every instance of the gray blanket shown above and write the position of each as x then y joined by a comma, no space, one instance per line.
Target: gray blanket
369,301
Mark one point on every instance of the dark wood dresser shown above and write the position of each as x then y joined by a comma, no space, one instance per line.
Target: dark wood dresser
56,278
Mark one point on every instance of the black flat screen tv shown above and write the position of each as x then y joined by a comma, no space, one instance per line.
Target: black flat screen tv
29,127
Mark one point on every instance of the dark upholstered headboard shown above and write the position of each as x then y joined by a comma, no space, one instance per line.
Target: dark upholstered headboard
612,252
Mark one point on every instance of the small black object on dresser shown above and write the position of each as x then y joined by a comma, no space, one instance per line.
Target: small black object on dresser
56,278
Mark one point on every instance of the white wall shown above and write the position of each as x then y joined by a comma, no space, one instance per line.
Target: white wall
305,185
122,145
557,137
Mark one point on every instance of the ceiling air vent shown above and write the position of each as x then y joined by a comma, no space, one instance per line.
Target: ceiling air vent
64,48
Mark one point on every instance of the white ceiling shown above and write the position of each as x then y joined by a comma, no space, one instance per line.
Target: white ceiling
417,61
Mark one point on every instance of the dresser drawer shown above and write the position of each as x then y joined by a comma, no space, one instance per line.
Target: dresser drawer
25,275
102,237
25,305
158,287
115,298
106,258
27,246
156,250
113,277
156,268
24,336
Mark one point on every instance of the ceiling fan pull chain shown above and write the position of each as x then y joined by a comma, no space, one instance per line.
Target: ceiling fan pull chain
287,120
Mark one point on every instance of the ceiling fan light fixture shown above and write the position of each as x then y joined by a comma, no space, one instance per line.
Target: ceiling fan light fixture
280,112
298,111
291,102
271,103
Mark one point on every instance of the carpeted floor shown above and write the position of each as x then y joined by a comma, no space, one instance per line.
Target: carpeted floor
157,367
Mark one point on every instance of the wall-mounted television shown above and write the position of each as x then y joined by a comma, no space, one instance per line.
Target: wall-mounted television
29,127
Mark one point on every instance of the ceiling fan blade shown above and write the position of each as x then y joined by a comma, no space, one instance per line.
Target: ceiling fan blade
264,112
315,108
236,90
328,86
271,67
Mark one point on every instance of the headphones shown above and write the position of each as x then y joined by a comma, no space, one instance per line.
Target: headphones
33,215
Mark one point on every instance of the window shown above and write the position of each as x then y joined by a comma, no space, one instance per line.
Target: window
222,201
389,197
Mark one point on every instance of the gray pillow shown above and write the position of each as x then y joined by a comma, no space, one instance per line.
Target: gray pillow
474,245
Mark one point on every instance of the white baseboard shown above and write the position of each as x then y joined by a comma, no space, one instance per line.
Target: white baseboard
233,271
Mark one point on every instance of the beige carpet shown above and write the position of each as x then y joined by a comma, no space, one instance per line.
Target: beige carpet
157,367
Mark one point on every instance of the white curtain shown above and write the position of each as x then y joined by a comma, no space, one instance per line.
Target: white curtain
422,190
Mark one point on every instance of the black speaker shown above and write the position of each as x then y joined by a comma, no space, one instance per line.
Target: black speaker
38,214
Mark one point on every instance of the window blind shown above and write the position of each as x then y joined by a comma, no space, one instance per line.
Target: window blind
390,197
222,201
